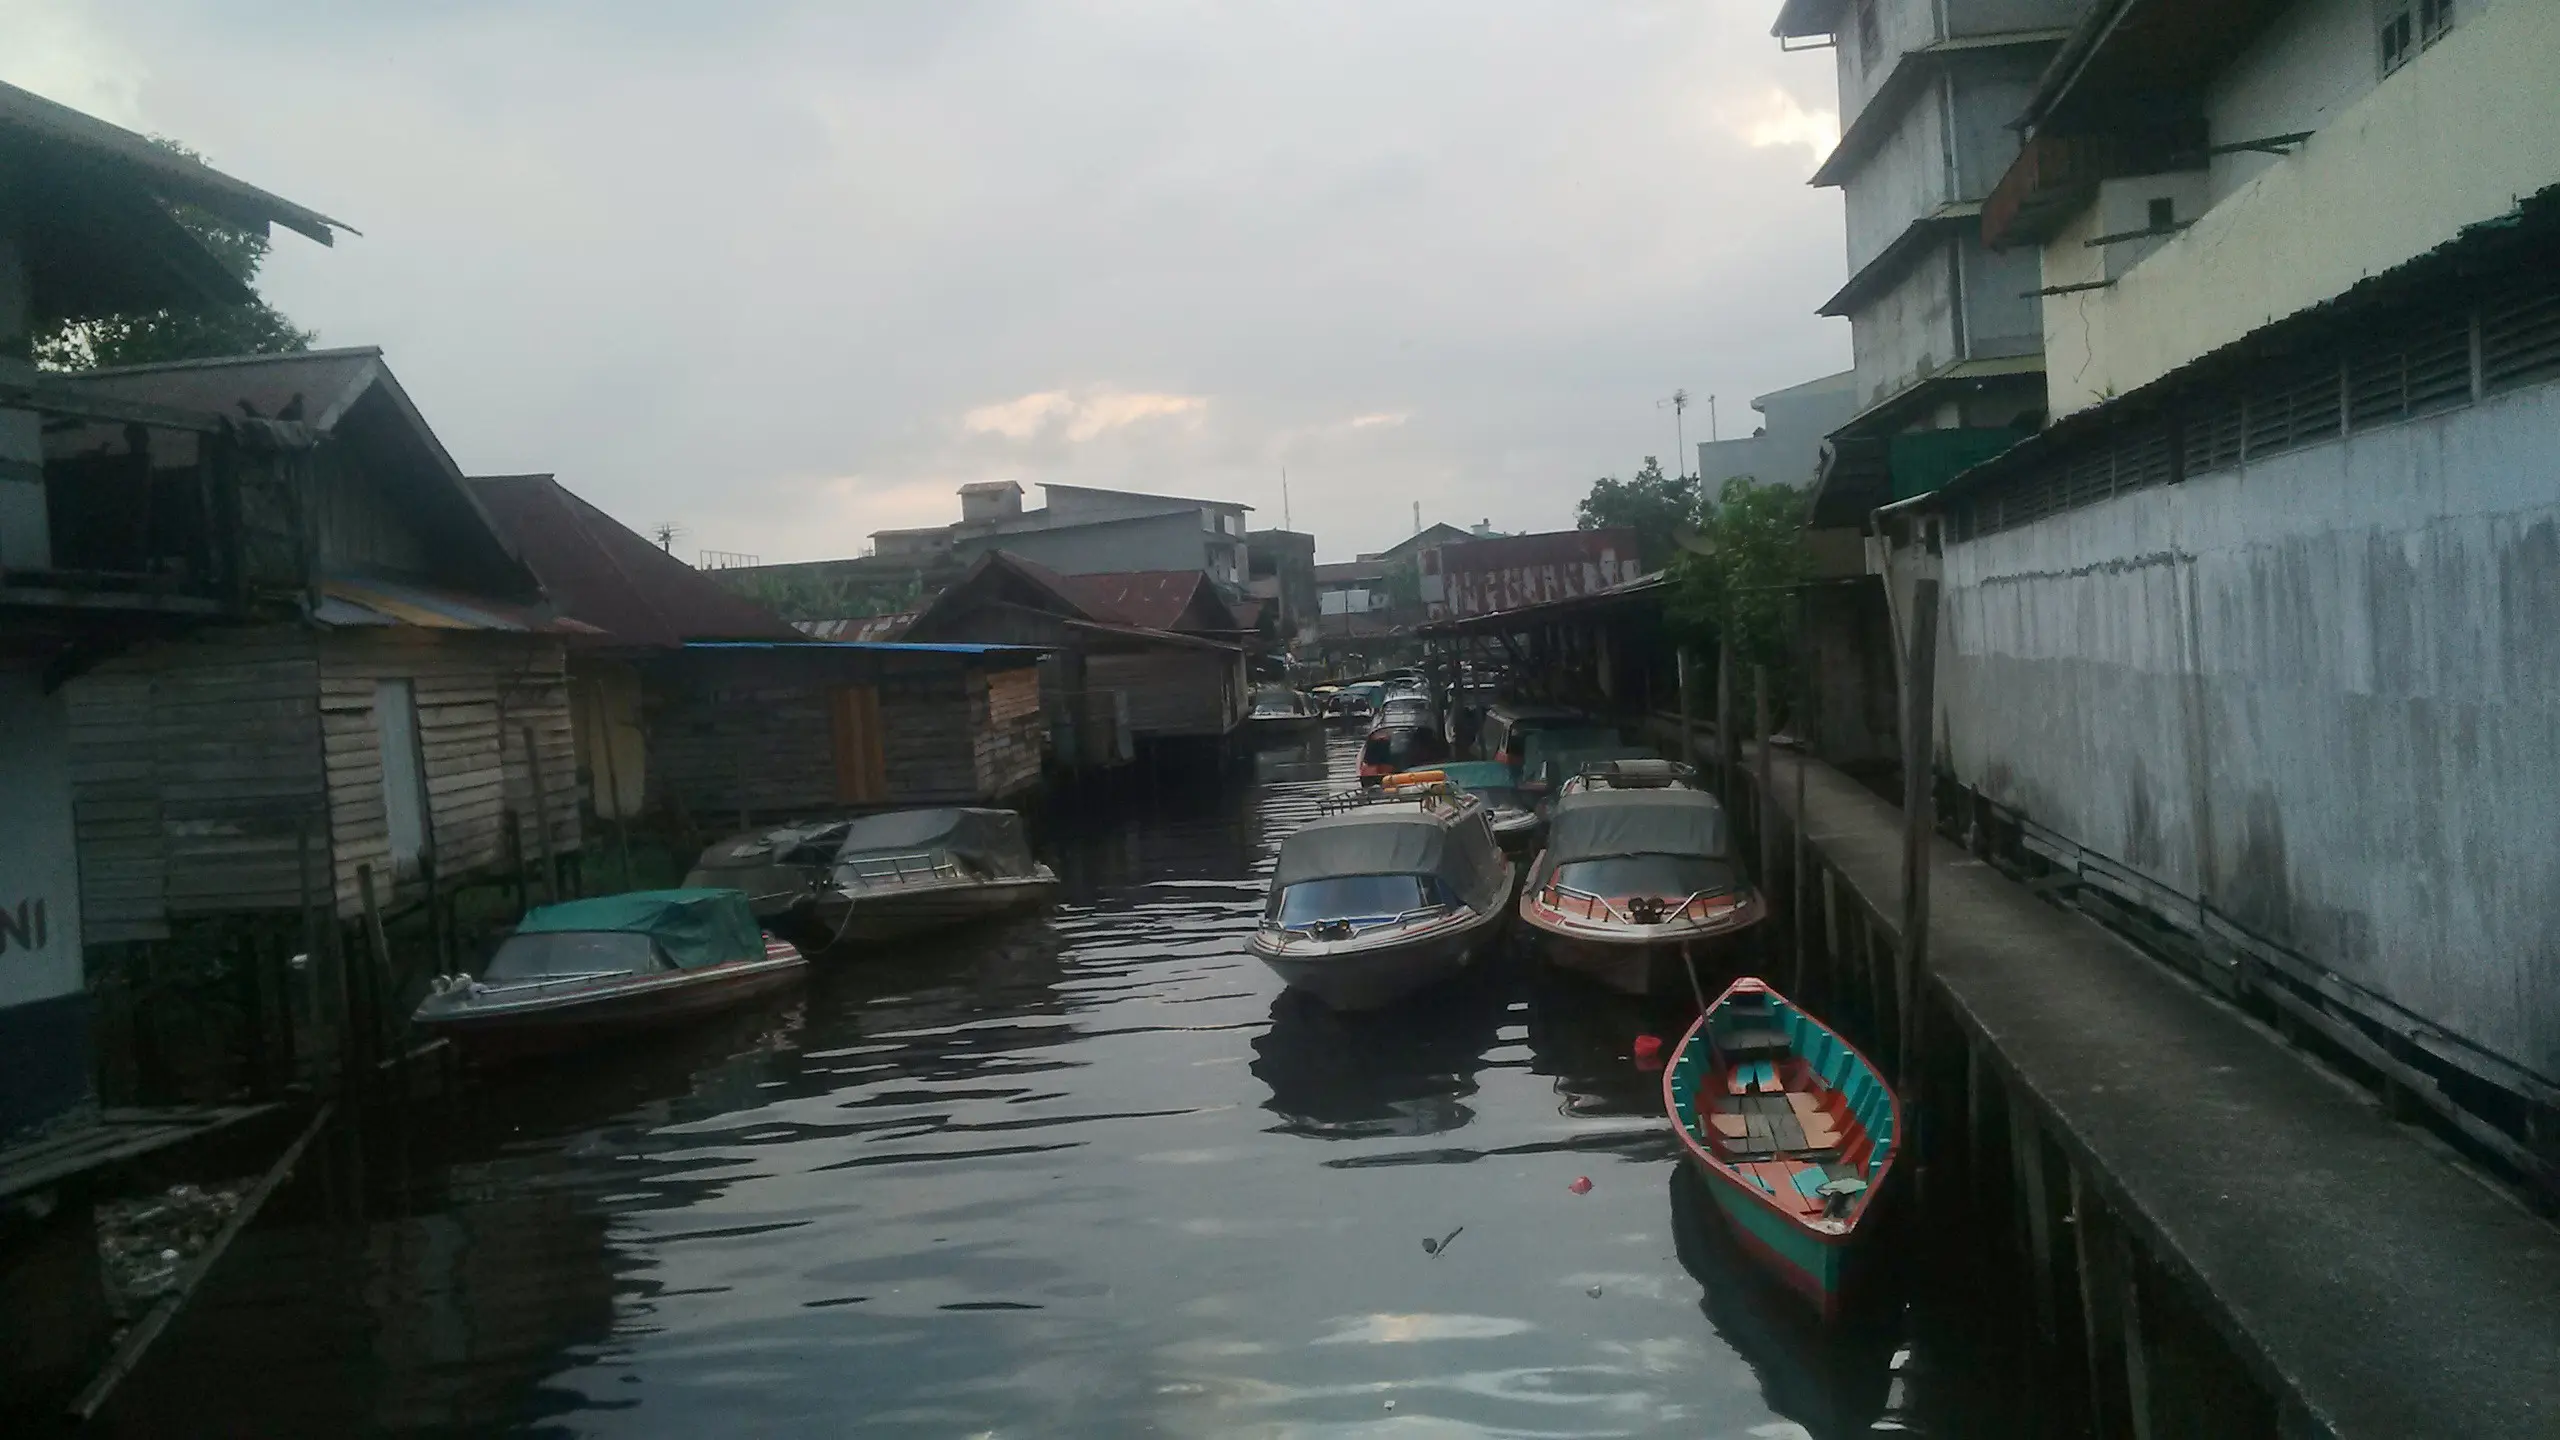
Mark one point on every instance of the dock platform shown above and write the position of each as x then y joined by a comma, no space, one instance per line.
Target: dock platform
2370,1283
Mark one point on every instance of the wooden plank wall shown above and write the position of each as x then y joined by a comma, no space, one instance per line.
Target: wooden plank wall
195,771
475,691
927,714
1009,728
761,742
1172,691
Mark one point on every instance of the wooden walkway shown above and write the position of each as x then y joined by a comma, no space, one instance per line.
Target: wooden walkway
2376,1288
119,1136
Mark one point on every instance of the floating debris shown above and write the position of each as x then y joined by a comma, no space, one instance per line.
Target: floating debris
1581,1185
1593,1292
1434,1247
145,1242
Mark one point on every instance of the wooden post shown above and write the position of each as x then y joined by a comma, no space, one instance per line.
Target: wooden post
1688,725
542,817
612,786
1918,811
2119,1400
1804,747
2026,1158
377,973
1728,745
1765,809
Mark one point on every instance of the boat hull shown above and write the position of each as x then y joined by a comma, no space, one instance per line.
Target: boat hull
1350,975
1822,1269
1644,963
1274,730
837,919
573,1018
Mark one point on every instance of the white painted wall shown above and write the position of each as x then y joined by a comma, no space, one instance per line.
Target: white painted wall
2319,691
39,871
2318,58
1904,179
2452,139
1908,331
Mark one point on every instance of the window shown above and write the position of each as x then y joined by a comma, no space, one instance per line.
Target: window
2163,213
2435,17
404,780
2398,41
1356,897
564,954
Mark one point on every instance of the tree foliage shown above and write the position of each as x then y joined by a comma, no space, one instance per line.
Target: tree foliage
148,337
1743,589
1654,505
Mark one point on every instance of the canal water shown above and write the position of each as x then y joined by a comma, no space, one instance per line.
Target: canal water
1086,1174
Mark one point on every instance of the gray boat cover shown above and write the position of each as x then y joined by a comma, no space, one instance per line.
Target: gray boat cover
1600,823
989,841
1392,840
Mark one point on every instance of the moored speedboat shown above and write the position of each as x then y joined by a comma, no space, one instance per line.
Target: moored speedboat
1282,716
1793,1130
1635,886
1389,894
1631,772
1515,821
911,871
588,970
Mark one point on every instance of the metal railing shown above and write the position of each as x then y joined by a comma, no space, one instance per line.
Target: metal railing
912,869
1590,900
1354,929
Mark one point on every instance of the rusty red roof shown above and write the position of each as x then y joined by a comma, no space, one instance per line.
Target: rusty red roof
1153,599
600,571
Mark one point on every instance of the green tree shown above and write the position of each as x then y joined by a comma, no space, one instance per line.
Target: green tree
1654,505
1737,582
147,337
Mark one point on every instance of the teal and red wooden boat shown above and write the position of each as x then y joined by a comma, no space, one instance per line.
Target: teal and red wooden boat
1793,1130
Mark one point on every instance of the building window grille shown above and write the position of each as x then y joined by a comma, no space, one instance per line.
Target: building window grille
2398,38
2520,339
2435,18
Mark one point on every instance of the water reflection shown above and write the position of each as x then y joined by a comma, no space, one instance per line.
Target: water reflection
1087,1173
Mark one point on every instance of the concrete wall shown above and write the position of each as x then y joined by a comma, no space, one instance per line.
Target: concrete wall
1901,26
2318,691
1171,541
1908,331
2452,139
1904,179
2318,58
2002,314
1991,17
1987,94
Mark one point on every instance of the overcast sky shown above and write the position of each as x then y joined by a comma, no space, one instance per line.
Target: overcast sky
784,274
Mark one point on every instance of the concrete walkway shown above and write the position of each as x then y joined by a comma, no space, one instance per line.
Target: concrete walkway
2384,1292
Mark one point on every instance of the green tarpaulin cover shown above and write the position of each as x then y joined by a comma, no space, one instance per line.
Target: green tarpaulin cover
693,927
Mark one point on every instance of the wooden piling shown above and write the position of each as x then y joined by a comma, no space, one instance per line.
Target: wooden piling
1688,726
1765,805
2097,1254
1728,745
542,817
2026,1159
1918,811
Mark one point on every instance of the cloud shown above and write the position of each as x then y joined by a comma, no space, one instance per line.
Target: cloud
1078,419
1777,120
56,50
1385,418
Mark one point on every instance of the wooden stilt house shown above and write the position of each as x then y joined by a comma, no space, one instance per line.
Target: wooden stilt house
693,698
1111,679
413,706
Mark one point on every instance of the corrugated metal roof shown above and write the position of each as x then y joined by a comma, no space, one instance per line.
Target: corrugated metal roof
348,602
607,575
857,627
169,175
325,382
1151,599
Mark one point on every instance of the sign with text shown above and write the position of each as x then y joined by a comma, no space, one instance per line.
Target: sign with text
39,868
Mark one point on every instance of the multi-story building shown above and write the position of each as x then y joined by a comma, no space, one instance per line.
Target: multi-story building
1786,447
1283,576
2259,633
1945,331
1083,530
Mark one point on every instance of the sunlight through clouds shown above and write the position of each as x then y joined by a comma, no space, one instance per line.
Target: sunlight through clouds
1030,416
1777,121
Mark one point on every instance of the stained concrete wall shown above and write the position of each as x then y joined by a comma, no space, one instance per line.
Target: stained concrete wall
2451,139
2322,692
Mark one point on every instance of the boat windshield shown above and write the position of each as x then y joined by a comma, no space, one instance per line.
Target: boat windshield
1669,877
1355,897
560,954
1405,747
